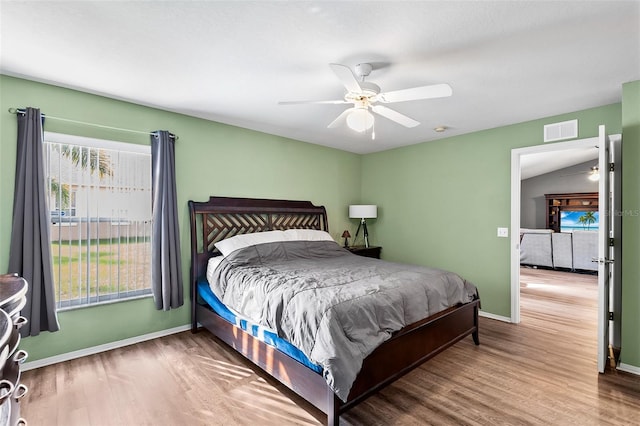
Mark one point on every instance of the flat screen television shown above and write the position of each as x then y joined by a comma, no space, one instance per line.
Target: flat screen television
579,220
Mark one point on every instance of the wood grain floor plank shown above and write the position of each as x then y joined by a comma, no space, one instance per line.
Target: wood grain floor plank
539,372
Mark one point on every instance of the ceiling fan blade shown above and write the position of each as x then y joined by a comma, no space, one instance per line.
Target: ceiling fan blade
575,174
341,119
394,116
336,102
416,93
347,78
591,172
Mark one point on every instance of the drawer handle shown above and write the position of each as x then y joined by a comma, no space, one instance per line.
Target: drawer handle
20,391
5,384
20,356
20,321
21,422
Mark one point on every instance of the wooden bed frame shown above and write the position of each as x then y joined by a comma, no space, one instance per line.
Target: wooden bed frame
224,217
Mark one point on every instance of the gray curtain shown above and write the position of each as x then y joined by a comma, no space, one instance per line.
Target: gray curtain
30,255
166,270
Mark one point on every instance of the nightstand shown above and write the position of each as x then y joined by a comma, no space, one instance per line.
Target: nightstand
371,251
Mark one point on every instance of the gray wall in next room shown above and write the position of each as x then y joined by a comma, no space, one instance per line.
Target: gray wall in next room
570,179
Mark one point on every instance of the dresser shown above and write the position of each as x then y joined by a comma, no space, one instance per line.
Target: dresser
13,290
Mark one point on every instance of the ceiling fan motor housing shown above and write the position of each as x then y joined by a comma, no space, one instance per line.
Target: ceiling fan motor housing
363,70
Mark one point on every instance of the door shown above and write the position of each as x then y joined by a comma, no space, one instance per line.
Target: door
609,184
615,283
604,259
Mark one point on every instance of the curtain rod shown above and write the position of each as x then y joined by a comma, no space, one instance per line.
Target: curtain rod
50,117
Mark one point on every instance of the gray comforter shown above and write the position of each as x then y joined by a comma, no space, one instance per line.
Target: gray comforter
333,305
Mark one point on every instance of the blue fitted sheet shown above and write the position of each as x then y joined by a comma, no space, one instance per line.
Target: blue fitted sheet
266,336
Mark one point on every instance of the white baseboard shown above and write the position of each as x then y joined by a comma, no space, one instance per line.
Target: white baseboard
101,348
629,368
494,316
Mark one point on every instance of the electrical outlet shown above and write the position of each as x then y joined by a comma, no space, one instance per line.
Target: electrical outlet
503,232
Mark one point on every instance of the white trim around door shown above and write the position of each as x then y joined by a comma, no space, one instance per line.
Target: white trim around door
516,155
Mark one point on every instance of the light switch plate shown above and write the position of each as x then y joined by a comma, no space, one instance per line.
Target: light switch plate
503,232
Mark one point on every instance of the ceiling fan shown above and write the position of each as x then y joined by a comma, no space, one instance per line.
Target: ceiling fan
593,173
366,97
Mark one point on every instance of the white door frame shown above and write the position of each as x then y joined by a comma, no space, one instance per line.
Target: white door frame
604,251
516,154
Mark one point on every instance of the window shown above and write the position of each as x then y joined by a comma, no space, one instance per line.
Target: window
100,202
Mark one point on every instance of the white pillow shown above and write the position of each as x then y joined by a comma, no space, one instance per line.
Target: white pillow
307,235
212,264
229,245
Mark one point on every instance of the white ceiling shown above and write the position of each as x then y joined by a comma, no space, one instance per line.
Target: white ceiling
232,61
539,163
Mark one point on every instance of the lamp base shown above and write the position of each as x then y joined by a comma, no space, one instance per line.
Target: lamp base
363,225
366,233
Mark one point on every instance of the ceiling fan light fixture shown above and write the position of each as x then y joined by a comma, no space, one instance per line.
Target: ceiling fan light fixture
594,175
360,120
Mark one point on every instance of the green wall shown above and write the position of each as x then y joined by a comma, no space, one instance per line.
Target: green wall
439,202
211,159
631,224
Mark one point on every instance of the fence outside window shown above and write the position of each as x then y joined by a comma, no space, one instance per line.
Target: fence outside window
100,210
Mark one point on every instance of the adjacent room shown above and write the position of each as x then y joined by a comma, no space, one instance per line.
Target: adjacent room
340,213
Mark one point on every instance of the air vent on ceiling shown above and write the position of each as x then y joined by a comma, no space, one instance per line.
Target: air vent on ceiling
559,131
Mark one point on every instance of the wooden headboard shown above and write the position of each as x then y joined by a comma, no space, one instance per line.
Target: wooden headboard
224,217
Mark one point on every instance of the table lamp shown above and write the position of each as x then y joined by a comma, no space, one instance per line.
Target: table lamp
363,212
346,235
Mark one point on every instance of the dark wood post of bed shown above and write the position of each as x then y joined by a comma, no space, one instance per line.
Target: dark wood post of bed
333,408
223,217
474,334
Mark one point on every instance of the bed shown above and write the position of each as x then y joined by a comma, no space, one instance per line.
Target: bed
221,218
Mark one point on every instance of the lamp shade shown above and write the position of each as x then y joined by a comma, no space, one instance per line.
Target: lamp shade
360,120
363,211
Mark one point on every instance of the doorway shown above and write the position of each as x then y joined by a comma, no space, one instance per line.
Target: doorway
519,157
606,157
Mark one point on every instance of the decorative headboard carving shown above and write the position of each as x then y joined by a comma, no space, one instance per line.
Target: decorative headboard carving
223,217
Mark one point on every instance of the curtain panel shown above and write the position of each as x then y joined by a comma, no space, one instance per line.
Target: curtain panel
30,249
166,267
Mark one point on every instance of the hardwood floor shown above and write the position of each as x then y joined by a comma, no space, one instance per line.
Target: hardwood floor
539,372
